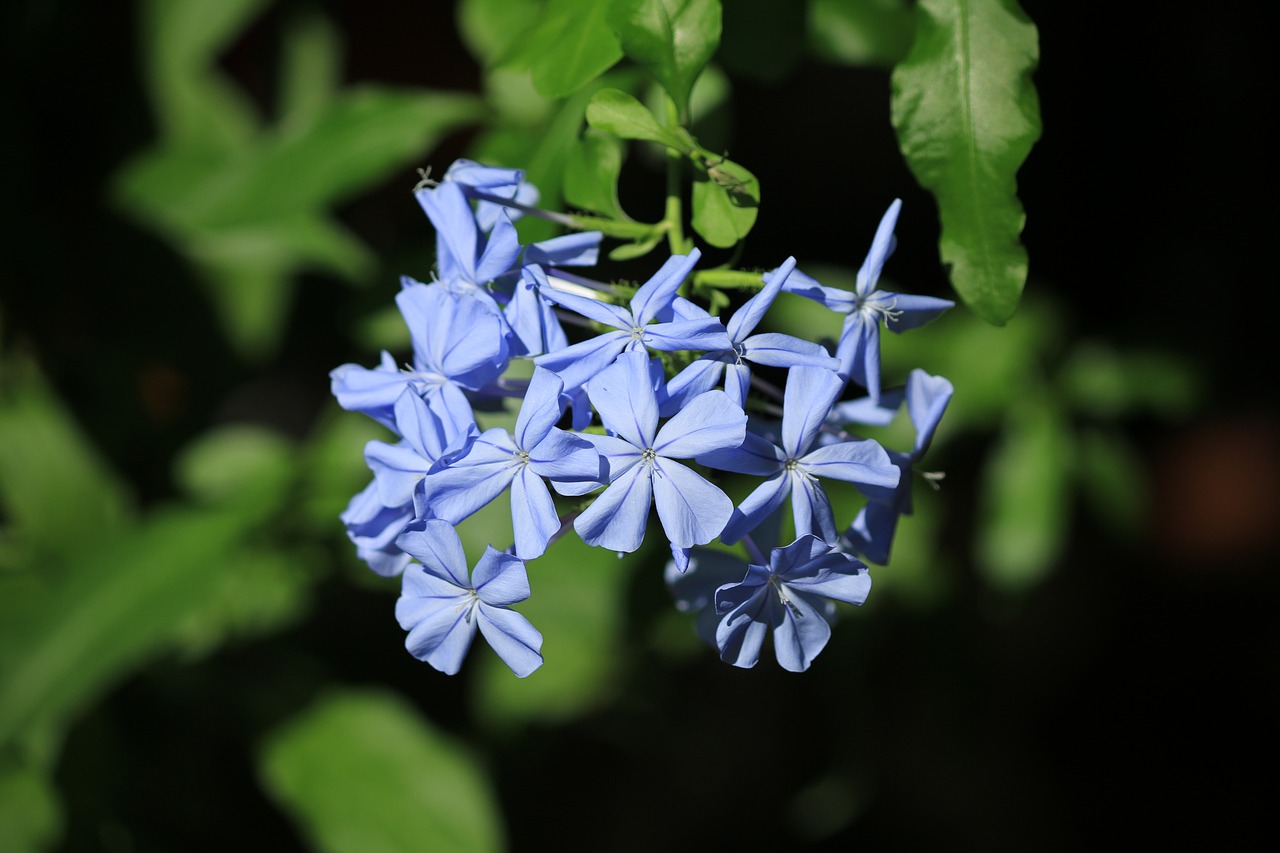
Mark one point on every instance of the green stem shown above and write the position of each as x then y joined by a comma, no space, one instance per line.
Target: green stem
625,228
673,214
727,280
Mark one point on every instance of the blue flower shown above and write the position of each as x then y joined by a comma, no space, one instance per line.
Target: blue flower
496,461
441,608
641,462
787,596
740,348
578,363
793,468
865,308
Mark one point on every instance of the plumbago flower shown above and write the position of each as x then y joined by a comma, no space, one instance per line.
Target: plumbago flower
739,348
786,596
641,460
865,308
792,468
497,460
635,329
441,608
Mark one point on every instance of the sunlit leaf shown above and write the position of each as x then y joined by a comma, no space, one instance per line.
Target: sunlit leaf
672,39
725,203
242,463
966,114
616,112
362,772
570,46
591,174
491,27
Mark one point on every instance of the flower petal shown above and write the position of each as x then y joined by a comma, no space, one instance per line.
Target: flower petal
692,511
618,517
513,637
707,423
500,579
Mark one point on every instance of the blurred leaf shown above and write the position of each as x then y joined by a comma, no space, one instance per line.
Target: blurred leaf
30,815
491,27
1025,505
874,33
628,251
257,592
672,39
75,637
619,113
310,72
591,174
725,204
1112,479
332,467
967,114
711,109
362,772
1104,383
245,464
577,603
196,105
52,481
570,46
762,39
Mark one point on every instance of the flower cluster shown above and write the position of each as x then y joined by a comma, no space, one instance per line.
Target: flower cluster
651,412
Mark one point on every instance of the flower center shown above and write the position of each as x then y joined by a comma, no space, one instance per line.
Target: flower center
876,308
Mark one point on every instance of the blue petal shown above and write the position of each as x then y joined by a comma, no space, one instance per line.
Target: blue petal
811,391
623,395
656,294
859,462
396,471
500,251
859,352
373,392
764,500
741,632
618,517
533,515
705,335
778,350
881,248
456,232
707,423
927,399
915,311
756,456
577,364
565,457
868,410
746,318
800,634
699,377
840,301
513,637
568,250
592,309
500,579
811,508
540,409
436,545
692,511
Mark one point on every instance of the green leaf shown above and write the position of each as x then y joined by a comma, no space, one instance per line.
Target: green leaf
1026,503
874,33
362,772
672,39
571,46
52,480
241,463
725,203
966,114
616,112
30,815
73,637
630,251
310,72
491,27
591,174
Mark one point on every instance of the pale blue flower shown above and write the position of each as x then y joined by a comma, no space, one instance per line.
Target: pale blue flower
641,461
787,597
441,608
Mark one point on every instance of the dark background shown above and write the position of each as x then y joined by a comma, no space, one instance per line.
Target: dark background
1130,696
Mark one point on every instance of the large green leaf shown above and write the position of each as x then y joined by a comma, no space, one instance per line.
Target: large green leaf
72,637
673,39
54,488
725,203
591,175
571,45
362,772
966,114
